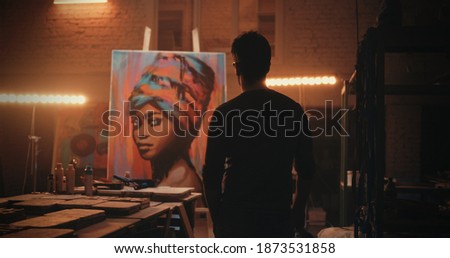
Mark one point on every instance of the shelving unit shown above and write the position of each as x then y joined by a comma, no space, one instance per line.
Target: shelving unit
368,85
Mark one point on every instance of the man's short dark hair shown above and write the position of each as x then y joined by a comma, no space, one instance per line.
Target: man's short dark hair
252,53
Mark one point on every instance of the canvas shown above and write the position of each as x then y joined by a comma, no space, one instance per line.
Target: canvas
77,137
159,108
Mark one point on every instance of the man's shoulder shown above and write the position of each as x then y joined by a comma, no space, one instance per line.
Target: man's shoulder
262,97
281,96
225,106
281,101
231,104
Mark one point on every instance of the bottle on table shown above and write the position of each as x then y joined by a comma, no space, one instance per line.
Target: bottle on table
70,179
88,180
59,174
64,185
50,183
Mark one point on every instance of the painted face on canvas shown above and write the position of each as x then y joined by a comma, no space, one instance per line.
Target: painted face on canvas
153,133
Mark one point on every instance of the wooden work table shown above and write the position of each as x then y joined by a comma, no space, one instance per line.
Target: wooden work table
117,214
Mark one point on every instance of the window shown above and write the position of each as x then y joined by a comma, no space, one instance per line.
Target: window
175,19
170,30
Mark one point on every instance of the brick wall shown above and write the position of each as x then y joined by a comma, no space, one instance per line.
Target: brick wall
65,48
216,28
68,47
46,46
43,38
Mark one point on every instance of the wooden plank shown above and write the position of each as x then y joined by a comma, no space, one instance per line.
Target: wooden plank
40,233
81,203
65,197
170,194
78,213
118,208
110,192
86,217
47,222
25,197
149,213
4,202
38,206
162,193
144,202
176,192
192,197
107,228
38,203
152,203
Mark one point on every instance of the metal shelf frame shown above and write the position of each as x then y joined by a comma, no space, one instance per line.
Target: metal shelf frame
368,85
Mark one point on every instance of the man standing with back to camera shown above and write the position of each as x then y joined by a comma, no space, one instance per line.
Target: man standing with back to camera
253,140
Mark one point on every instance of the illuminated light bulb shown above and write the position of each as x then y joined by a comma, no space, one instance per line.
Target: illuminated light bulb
73,99
51,99
34,98
21,98
333,80
66,99
81,99
299,81
42,99
4,98
59,99
45,99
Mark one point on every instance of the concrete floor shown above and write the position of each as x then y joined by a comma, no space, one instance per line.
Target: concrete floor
203,227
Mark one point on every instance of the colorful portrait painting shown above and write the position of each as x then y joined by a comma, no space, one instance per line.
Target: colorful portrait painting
160,106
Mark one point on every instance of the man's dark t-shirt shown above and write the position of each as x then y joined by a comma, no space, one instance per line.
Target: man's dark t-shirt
253,140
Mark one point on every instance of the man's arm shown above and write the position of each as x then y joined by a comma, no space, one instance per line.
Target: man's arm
213,169
305,167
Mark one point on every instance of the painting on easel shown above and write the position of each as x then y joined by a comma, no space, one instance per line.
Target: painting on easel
159,108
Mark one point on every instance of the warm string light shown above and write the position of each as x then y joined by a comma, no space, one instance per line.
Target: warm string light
42,99
298,81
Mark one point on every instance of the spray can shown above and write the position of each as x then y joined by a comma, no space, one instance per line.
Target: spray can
88,180
59,173
50,183
64,185
70,179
